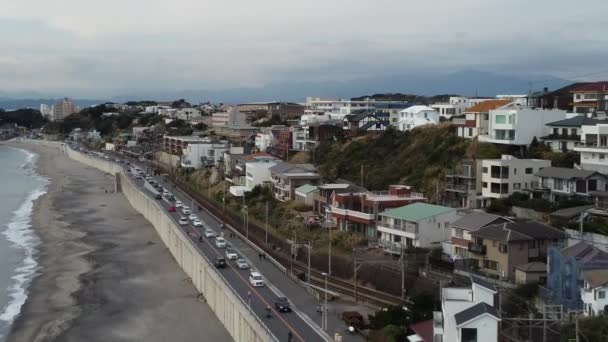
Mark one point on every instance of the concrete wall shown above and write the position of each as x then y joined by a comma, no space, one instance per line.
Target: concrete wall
227,306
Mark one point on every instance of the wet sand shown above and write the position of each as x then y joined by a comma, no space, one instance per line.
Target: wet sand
105,275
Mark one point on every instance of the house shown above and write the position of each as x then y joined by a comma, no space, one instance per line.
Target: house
286,177
476,118
470,222
235,164
498,249
187,114
335,109
416,116
565,272
563,135
204,153
593,147
366,121
176,145
594,292
467,314
8,130
590,97
257,172
307,138
306,193
423,331
501,177
454,106
415,225
514,124
463,186
324,197
532,272
358,211
560,183
556,99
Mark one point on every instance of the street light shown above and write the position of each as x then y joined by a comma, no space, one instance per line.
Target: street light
324,322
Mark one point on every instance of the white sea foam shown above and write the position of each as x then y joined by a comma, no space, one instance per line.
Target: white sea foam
19,232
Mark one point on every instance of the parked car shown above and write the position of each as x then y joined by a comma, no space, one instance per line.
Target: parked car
242,264
231,254
183,220
220,262
220,242
255,279
282,304
209,233
172,209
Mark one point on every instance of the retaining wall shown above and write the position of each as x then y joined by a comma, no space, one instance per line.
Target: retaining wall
227,306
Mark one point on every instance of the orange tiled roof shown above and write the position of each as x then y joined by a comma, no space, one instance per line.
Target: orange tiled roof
486,106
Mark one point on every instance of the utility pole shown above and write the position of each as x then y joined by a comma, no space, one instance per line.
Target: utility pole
576,331
329,228
309,252
266,222
402,273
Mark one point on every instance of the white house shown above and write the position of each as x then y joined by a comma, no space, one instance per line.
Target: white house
501,177
563,135
514,124
467,314
557,183
204,153
416,116
594,292
263,141
456,105
187,113
593,147
476,120
415,225
256,173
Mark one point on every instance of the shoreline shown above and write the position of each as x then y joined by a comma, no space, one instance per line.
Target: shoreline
103,273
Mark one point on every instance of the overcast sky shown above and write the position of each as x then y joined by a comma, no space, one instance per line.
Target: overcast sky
109,47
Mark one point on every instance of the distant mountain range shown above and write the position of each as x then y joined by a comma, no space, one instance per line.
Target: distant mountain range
17,103
466,83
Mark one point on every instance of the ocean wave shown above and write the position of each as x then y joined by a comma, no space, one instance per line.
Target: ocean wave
19,232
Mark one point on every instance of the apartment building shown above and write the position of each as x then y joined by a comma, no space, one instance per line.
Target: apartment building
187,114
62,109
514,124
204,153
456,105
499,249
463,186
286,177
590,97
307,138
176,145
285,110
336,109
594,292
501,177
593,147
467,314
476,118
560,183
463,227
564,135
415,225
358,211
257,172
416,116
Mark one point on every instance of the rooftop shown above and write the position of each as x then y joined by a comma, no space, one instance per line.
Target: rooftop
487,106
591,87
576,121
417,211
564,173
477,219
483,283
584,251
534,266
596,278
306,189
519,231
474,312
417,109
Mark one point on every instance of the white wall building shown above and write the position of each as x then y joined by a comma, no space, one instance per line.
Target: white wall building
256,173
501,177
456,105
337,109
263,141
187,113
204,153
516,125
416,116
594,147
594,292
467,314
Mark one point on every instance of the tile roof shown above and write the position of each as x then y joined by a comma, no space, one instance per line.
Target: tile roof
424,329
416,211
306,188
474,312
576,121
596,278
292,168
564,173
593,86
519,231
584,251
476,219
486,106
534,266
483,283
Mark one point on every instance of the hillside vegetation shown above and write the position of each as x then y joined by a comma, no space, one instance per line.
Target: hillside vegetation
419,158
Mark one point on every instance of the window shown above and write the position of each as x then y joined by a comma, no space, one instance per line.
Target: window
484,184
470,132
573,131
556,131
516,186
484,169
601,156
469,335
511,119
502,248
601,294
501,119
459,233
486,117
514,171
491,265
494,243
529,170
578,96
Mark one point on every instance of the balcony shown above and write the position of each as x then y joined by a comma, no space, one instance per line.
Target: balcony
477,249
589,146
562,137
459,187
353,213
459,121
408,228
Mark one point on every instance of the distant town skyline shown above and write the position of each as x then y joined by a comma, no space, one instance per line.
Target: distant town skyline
104,49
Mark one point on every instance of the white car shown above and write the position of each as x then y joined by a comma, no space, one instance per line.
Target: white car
178,204
231,254
220,242
255,279
197,223
242,264
209,233
193,217
183,220
186,211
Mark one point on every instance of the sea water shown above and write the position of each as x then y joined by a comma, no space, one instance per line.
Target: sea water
20,186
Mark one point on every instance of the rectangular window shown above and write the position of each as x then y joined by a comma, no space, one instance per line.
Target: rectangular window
573,131
514,171
529,170
469,335
484,184
484,169
601,294
459,233
511,119
516,186
502,248
501,119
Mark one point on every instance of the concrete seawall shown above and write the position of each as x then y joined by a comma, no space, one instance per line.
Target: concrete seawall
227,306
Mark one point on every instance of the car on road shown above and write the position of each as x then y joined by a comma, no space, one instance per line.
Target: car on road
193,217
172,209
137,176
158,196
178,204
255,279
197,223
242,264
183,220
152,182
231,254
209,233
220,242
220,262
282,304
186,210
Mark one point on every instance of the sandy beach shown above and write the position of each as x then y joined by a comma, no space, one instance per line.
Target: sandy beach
105,275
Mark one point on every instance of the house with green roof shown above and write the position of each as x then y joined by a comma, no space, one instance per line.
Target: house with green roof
306,194
415,225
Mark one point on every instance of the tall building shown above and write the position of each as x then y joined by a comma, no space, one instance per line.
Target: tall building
45,110
62,109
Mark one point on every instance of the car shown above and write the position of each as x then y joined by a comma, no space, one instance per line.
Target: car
242,264
209,233
231,254
186,211
171,198
178,204
282,304
193,217
183,220
172,209
220,262
220,242
197,223
158,196
152,182
166,193
255,279
137,176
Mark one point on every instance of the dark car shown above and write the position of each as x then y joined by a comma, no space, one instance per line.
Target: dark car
282,304
158,196
220,262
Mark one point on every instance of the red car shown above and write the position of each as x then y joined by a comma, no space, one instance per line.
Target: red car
172,209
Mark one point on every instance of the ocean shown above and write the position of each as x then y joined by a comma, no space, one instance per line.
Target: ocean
20,186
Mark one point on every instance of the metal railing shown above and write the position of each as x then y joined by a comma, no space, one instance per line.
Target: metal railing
591,145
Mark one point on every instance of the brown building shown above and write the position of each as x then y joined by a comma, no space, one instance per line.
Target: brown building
499,249
176,144
285,110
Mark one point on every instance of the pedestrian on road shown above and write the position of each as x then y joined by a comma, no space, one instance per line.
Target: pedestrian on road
260,256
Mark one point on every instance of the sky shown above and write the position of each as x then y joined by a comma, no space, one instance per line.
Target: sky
93,48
